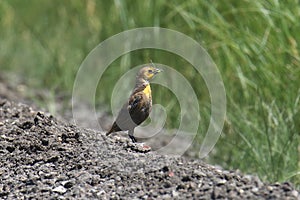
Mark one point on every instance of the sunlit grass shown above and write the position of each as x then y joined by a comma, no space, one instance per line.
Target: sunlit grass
255,45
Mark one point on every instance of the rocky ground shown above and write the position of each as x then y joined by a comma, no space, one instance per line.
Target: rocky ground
45,157
42,157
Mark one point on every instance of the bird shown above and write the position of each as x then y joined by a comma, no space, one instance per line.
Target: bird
138,107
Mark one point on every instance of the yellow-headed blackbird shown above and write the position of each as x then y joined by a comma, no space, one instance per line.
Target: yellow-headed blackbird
138,107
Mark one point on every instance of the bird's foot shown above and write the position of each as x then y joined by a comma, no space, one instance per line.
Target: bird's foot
133,139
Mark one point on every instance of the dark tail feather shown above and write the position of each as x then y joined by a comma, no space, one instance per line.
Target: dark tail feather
114,128
109,132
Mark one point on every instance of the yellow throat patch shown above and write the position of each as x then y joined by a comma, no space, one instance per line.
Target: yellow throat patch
147,91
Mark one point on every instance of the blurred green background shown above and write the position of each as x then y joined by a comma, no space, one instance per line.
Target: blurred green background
255,45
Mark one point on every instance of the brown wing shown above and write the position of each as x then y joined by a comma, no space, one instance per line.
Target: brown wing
139,107
132,113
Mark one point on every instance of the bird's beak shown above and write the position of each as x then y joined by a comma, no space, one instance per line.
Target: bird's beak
158,71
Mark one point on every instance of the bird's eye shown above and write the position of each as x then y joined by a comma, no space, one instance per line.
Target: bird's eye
150,71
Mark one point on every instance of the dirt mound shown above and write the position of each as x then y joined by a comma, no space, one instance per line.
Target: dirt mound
42,157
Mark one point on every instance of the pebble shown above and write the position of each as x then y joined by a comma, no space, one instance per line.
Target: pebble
60,189
295,193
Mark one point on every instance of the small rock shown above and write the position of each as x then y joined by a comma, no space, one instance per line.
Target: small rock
166,196
68,184
186,179
180,187
118,178
221,182
295,193
174,193
192,186
10,149
60,189
165,169
286,187
255,190
241,191
199,173
101,192
171,174
270,188
167,184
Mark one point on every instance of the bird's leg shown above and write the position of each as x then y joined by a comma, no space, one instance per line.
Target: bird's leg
133,139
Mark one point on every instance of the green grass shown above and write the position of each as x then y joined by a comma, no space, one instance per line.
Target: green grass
255,45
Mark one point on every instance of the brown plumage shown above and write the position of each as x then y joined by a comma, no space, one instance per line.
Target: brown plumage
138,107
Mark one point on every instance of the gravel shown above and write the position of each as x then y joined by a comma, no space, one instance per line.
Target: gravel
42,157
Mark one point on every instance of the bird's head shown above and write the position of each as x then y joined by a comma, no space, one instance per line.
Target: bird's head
147,73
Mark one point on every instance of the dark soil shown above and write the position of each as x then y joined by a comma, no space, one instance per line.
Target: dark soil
44,158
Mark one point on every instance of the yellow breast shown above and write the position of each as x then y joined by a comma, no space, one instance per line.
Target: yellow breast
147,91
